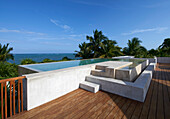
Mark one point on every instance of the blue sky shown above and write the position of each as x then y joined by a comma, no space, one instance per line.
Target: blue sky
58,26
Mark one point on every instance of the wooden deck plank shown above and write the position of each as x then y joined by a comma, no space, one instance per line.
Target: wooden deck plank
109,109
166,96
160,108
167,78
128,114
103,107
65,107
137,112
121,111
153,106
43,108
86,105
115,110
146,105
99,107
90,112
93,102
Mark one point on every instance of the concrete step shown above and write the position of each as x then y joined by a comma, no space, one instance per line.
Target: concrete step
97,72
92,87
98,79
100,67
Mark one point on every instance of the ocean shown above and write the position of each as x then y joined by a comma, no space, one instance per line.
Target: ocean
40,57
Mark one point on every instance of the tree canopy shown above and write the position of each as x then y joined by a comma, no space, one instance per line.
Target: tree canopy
100,46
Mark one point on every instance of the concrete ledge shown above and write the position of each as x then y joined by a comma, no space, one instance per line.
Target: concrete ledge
92,87
130,74
134,90
107,69
123,57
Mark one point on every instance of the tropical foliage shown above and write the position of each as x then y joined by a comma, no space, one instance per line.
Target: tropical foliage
65,59
5,53
134,48
98,46
164,49
109,49
85,51
47,60
8,70
27,61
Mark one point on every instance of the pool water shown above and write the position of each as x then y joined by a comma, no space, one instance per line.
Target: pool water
67,64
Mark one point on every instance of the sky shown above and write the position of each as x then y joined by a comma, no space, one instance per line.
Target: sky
59,26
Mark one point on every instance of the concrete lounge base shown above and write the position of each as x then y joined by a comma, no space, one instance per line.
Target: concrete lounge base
92,87
134,90
130,74
107,69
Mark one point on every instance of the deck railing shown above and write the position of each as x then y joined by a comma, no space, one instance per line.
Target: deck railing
11,89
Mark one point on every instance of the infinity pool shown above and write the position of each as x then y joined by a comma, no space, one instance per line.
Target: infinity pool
66,64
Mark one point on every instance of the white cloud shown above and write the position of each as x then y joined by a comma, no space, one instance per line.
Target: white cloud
4,30
146,30
76,35
57,23
7,30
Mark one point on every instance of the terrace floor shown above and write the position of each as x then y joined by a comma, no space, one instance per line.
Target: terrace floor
84,104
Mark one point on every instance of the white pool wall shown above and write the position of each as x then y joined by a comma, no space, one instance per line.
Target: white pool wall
46,86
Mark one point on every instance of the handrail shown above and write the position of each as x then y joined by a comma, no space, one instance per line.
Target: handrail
12,79
12,97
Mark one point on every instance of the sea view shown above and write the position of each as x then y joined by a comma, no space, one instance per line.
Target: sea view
39,57
81,59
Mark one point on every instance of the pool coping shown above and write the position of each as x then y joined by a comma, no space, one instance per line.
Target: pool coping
36,70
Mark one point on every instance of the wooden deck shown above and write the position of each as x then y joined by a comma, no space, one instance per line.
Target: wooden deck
83,104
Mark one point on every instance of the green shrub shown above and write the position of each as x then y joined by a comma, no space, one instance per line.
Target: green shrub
65,59
47,60
8,70
27,61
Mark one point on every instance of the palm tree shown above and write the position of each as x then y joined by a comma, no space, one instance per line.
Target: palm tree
134,47
152,53
5,53
96,42
85,51
166,43
165,47
109,49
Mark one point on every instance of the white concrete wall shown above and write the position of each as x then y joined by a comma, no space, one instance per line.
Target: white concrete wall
46,86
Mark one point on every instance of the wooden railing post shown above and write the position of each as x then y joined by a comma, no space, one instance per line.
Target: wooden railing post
14,97
10,93
2,101
22,106
4,98
19,96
